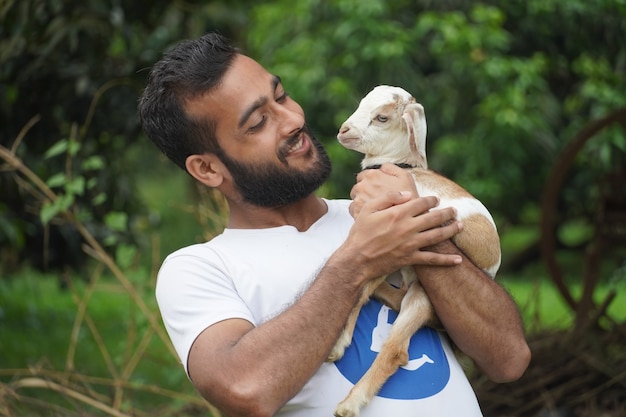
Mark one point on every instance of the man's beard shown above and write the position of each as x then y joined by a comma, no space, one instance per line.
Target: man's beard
272,185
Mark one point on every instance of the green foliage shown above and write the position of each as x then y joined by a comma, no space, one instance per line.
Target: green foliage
505,85
76,68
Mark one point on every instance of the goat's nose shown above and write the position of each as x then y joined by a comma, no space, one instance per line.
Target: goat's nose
344,128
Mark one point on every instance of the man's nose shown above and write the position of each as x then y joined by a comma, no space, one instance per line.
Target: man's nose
291,119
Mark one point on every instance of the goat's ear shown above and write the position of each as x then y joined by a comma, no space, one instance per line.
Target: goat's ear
411,120
206,168
413,117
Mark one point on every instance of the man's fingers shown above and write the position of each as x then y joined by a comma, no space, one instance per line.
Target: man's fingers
437,259
433,237
422,205
428,218
385,201
439,234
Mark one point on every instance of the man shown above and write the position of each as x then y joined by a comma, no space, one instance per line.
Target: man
254,312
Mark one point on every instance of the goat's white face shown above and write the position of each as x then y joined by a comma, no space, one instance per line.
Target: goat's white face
388,126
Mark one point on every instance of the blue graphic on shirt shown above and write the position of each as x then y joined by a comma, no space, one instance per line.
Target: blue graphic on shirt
427,372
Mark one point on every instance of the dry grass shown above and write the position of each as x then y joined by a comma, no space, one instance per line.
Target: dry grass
573,373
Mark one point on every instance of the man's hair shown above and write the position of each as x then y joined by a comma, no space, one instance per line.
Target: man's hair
189,70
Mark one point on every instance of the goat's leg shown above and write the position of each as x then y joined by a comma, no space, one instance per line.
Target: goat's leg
416,310
390,295
345,338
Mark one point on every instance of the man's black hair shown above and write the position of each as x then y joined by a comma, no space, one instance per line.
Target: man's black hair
189,70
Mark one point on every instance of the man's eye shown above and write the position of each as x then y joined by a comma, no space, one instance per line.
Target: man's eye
282,98
257,126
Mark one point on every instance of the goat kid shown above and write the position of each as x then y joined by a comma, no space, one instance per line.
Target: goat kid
390,126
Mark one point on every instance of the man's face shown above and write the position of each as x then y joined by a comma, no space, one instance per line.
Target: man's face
269,151
274,185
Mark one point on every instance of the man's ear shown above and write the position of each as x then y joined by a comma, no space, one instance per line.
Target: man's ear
206,168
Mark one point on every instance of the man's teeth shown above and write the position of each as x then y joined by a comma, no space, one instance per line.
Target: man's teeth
297,146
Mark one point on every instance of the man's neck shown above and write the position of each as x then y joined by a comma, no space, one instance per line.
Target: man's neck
301,214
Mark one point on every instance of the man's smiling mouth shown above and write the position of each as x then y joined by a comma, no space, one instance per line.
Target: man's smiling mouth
296,146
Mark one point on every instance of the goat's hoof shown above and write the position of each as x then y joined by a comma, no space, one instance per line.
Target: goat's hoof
337,352
335,355
343,410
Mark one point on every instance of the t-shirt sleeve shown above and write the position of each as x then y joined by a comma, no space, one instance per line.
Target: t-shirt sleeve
194,291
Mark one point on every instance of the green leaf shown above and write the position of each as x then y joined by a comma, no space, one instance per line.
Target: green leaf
76,186
47,212
116,220
110,240
125,255
92,182
99,199
51,209
94,162
83,215
73,147
64,201
56,149
56,180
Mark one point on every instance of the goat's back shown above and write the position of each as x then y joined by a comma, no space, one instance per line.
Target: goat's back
479,239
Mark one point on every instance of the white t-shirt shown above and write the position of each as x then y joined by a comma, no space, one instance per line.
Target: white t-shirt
255,274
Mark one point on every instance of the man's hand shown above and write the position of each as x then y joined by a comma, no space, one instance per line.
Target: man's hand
391,231
371,183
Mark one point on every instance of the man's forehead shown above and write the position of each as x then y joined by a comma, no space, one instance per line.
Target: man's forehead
244,71
242,88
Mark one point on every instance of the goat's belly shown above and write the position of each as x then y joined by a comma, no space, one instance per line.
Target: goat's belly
479,239
466,205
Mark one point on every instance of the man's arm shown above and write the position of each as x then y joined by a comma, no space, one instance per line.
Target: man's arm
252,371
478,314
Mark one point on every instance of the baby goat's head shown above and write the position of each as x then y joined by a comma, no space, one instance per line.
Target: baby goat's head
388,126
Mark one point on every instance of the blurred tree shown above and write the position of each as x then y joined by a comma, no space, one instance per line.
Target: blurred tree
505,85
57,59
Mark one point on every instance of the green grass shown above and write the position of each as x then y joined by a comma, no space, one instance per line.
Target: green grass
167,195
37,317
180,212
542,306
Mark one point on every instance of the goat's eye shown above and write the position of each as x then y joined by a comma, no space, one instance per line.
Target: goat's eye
381,118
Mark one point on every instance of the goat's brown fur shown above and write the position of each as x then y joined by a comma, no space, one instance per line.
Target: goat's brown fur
479,241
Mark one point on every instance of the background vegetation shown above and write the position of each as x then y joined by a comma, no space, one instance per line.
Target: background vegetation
525,105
